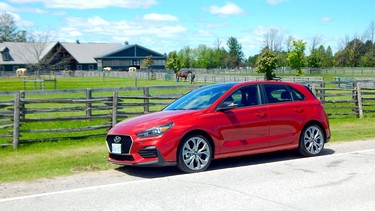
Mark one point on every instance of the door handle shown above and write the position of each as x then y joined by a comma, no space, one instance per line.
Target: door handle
260,114
299,110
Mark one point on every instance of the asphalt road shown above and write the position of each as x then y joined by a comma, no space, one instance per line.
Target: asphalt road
342,179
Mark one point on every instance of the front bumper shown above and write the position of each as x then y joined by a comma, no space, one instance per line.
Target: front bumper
149,156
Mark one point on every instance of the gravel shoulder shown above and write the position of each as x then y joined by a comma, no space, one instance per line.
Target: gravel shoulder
127,174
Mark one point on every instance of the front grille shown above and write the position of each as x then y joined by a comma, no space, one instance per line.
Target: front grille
121,157
125,141
148,152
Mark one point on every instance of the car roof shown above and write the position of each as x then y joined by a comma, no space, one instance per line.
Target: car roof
242,83
264,82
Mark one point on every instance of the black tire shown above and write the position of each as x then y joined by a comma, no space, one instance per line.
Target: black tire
194,154
311,141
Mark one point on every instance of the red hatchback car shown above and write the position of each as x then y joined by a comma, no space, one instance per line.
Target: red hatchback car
223,120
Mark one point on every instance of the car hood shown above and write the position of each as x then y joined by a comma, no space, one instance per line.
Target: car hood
147,121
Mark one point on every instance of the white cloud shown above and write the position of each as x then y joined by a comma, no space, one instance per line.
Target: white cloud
261,30
326,19
215,25
276,1
90,4
160,17
6,7
96,20
204,33
70,32
226,10
34,10
119,29
169,31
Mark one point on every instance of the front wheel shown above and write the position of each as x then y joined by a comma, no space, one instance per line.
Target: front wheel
311,141
194,154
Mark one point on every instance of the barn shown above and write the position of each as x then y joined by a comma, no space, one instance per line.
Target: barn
130,56
76,56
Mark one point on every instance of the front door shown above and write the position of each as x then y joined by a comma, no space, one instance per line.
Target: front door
245,127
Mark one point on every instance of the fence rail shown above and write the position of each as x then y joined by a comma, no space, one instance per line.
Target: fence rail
37,116
33,114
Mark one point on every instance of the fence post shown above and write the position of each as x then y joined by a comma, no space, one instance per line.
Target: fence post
313,89
146,94
322,91
22,106
114,108
16,121
88,104
359,101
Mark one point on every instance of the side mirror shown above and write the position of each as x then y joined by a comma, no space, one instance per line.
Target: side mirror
227,106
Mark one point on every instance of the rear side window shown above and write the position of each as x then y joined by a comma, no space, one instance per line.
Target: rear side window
296,94
276,93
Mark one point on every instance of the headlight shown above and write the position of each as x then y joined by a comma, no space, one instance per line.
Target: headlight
155,131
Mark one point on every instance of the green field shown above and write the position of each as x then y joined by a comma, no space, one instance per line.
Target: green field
52,159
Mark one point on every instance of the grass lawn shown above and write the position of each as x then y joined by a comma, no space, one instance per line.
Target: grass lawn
52,159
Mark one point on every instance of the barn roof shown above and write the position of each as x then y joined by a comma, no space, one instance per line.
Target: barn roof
132,50
84,53
25,52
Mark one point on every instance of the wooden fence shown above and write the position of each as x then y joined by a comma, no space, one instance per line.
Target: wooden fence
343,98
38,116
199,77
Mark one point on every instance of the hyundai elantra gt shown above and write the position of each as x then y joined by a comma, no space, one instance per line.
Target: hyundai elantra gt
223,120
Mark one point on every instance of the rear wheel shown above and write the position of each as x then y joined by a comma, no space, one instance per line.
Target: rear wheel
311,141
194,154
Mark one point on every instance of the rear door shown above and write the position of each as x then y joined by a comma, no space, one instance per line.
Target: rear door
286,113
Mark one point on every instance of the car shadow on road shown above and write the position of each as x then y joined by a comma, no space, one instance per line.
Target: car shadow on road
158,172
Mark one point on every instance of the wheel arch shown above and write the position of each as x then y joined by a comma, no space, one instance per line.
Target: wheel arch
199,132
315,122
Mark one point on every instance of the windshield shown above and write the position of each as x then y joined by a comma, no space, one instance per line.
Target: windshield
200,98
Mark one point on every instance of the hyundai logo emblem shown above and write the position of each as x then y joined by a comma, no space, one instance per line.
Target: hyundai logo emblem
117,139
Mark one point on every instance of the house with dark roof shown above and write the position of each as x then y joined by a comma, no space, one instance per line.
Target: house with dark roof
130,56
14,55
76,56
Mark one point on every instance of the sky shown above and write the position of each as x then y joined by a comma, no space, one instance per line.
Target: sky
171,25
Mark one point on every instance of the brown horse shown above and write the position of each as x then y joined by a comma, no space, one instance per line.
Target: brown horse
182,74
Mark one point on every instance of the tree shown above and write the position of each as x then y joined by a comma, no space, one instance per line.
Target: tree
147,62
328,57
220,55
272,40
235,56
173,62
296,57
9,31
315,42
252,60
289,43
370,34
37,49
266,63
186,54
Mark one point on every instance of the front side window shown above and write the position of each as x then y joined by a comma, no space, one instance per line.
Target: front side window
200,98
245,96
